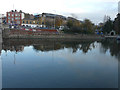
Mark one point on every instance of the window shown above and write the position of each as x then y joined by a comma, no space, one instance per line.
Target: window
12,14
8,17
16,18
8,14
30,22
34,22
18,22
9,21
26,22
12,19
23,21
16,15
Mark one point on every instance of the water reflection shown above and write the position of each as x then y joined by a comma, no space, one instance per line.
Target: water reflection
49,45
60,63
113,46
0,59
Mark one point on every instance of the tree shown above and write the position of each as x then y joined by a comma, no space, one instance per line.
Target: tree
117,24
88,26
106,18
69,23
58,22
108,26
75,26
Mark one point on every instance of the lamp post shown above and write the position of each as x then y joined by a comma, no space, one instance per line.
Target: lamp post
54,18
54,21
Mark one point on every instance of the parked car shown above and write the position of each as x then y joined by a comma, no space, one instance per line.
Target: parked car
118,37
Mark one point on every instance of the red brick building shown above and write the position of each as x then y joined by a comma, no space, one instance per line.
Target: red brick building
14,17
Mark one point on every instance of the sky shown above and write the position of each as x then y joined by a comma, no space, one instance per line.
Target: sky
95,10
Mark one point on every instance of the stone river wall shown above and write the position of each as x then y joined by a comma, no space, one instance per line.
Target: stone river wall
19,34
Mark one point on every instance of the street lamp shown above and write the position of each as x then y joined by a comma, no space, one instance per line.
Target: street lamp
54,18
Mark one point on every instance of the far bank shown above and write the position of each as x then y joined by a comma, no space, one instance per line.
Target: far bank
21,34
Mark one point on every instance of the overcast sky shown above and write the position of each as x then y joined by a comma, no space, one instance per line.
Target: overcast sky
95,10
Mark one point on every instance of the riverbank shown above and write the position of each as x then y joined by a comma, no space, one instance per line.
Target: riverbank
61,36
19,34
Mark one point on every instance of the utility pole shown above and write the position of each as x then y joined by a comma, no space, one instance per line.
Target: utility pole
1,16
54,21
54,18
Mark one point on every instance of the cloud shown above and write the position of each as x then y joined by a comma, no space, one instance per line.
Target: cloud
65,7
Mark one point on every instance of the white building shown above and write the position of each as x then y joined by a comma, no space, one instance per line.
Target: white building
119,7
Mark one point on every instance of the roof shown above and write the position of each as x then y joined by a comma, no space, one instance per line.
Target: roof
28,19
53,15
39,15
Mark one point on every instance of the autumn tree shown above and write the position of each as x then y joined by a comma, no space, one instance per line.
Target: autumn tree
58,22
87,26
70,23
49,22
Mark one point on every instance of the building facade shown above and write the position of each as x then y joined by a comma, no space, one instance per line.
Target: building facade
53,20
31,20
14,17
43,20
0,18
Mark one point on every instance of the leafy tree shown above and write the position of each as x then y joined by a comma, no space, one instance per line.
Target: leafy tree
108,26
58,22
69,23
88,26
117,24
49,22
75,26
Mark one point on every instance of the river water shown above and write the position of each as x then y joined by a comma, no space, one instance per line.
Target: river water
60,64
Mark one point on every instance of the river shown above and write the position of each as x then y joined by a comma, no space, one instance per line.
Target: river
37,63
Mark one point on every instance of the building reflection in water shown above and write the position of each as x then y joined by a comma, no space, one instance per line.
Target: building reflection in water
50,45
